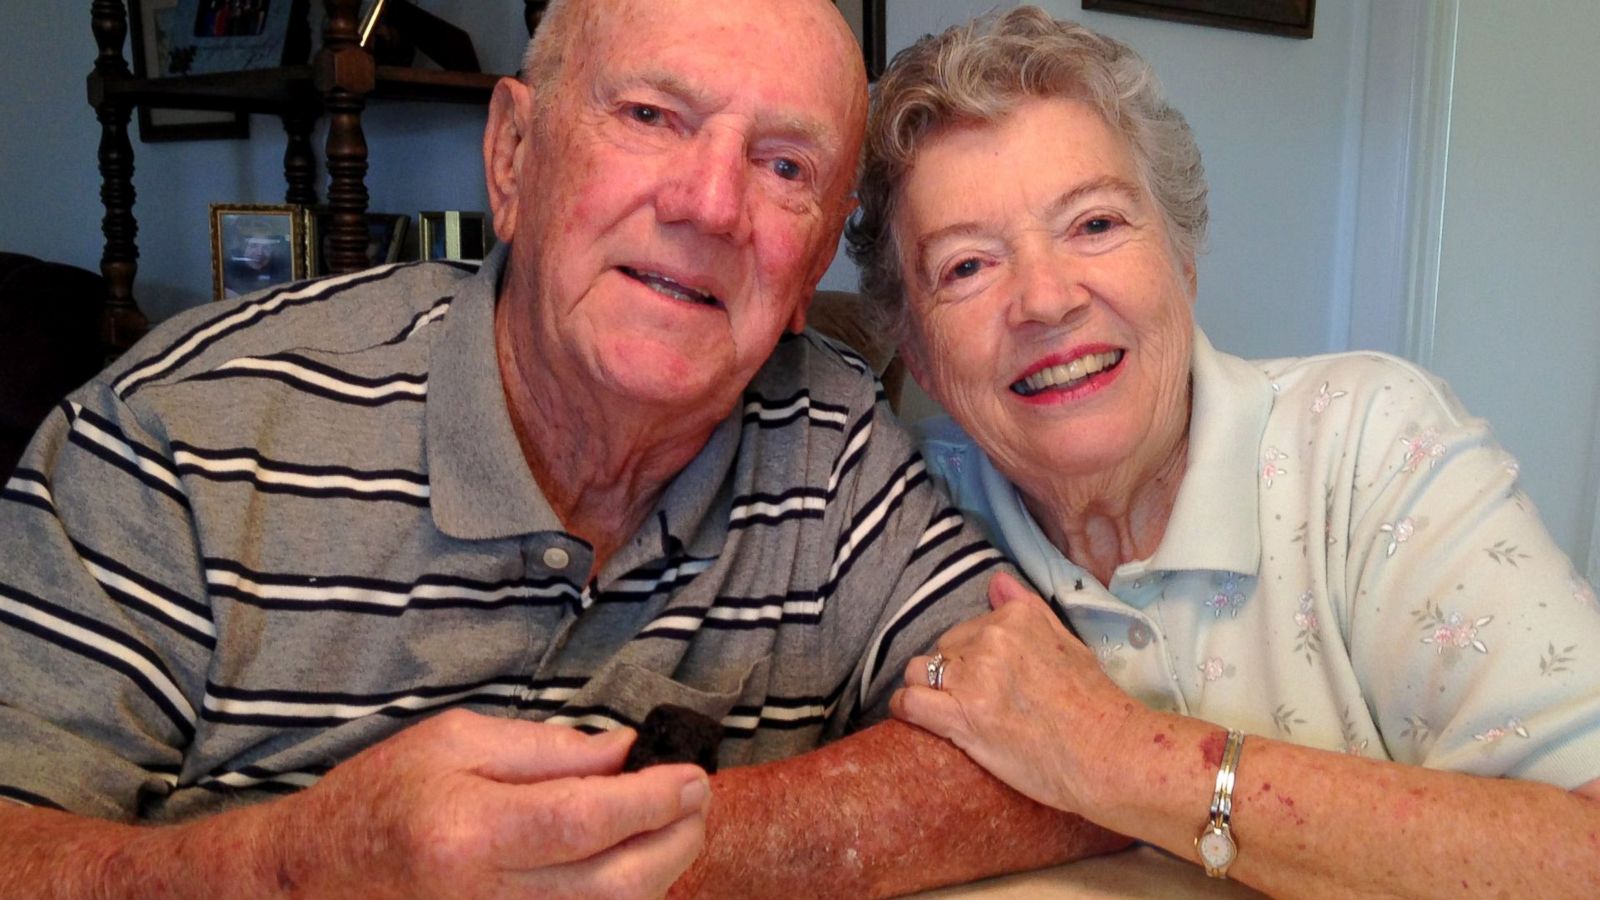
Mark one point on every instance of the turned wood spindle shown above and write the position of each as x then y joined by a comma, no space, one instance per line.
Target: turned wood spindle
121,322
345,75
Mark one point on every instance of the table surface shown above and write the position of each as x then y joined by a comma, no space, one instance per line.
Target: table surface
1139,871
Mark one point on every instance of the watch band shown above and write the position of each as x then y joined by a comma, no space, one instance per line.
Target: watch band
1215,842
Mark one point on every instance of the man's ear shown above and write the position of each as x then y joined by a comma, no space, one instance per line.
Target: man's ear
797,322
819,268
507,141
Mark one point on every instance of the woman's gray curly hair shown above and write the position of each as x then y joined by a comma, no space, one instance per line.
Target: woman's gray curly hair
981,71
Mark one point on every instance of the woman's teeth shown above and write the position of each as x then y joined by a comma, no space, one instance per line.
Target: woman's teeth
1067,376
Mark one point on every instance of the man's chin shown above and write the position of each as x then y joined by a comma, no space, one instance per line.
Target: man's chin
693,390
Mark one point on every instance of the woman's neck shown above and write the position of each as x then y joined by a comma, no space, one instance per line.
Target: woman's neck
1104,520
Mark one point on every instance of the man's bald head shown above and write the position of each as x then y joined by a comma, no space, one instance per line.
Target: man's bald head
573,23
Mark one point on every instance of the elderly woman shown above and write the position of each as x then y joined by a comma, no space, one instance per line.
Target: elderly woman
1326,554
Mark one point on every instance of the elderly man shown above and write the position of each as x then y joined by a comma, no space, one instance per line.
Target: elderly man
395,537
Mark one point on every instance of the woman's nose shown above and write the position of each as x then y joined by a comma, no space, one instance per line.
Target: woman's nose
1049,289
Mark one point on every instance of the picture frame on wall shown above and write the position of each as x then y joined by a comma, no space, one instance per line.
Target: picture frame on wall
1286,18
452,234
866,18
386,239
235,35
150,24
255,246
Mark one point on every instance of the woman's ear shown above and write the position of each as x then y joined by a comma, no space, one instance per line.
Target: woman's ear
507,141
911,353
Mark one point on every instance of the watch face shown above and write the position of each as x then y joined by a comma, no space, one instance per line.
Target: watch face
1216,848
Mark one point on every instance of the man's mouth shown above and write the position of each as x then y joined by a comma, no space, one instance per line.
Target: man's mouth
1067,376
661,284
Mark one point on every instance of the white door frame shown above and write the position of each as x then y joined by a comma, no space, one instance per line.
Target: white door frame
1400,198
1405,140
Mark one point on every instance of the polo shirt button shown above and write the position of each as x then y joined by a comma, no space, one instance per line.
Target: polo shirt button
1138,635
556,558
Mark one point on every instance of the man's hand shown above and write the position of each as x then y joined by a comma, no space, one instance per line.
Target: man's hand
461,805
464,805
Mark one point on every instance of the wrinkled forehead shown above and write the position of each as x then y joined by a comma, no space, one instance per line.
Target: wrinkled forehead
790,60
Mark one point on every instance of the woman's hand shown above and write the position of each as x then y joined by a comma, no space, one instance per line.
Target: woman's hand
1025,699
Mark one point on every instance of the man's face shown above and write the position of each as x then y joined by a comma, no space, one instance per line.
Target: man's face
672,205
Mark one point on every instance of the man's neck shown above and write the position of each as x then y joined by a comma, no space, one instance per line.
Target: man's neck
601,471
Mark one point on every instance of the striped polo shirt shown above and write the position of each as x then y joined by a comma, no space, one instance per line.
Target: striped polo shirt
284,528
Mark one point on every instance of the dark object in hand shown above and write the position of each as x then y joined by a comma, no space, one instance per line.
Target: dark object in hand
675,734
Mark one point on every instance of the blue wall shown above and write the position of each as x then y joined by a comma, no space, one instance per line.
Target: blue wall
1269,112
422,156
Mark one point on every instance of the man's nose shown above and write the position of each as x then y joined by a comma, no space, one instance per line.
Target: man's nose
707,185
1049,289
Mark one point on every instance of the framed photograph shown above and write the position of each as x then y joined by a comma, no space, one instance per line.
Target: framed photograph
255,246
151,24
232,35
1289,18
386,239
866,19
453,235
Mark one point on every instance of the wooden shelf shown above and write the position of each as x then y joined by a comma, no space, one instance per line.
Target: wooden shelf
275,90
337,86
434,86
257,91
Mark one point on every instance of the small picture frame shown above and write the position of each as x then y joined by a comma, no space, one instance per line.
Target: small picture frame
255,246
386,239
234,35
150,22
452,234
1286,18
866,18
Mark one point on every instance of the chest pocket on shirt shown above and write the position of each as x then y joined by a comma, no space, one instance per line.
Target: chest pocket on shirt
626,692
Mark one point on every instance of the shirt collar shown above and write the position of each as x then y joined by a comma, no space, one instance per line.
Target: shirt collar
480,484
1214,524
691,518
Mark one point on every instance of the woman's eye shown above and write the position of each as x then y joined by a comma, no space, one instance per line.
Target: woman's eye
1098,225
787,169
644,113
965,269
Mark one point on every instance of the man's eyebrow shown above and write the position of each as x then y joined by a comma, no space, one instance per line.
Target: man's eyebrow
669,83
792,126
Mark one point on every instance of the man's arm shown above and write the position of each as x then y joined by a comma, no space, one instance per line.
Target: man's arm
459,805
889,810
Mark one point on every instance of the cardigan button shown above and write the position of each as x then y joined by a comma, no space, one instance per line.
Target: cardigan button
1139,635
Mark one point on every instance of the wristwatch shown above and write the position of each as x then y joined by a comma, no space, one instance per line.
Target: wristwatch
1215,841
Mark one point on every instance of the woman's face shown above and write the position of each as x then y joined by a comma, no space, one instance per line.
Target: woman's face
1049,314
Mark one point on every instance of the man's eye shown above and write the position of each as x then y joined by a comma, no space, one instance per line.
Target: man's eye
644,114
787,169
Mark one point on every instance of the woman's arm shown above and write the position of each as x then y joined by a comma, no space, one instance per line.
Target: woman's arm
1317,823
1028,701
